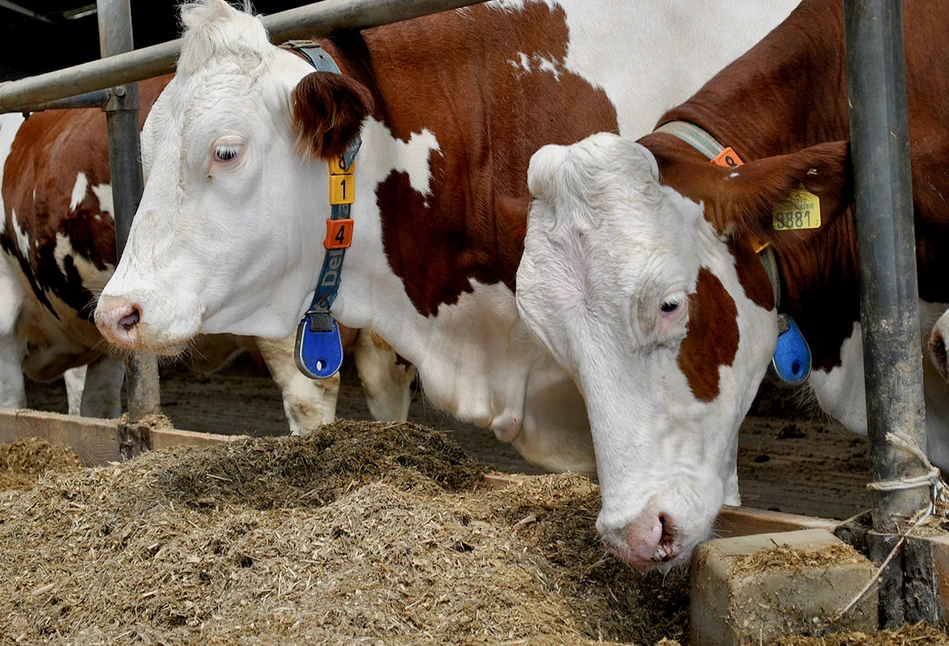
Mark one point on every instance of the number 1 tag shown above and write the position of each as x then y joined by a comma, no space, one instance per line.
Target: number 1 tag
318,354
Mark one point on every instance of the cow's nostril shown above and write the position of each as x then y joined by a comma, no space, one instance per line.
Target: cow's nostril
129,321
666,550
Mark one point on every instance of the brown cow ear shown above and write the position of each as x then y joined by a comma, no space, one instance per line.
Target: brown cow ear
750,194
512,214
328,110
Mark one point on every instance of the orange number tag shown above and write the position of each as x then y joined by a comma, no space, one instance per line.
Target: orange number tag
339,234
727,158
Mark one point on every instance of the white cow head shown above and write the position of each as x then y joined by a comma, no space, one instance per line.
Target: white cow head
666,325
238,132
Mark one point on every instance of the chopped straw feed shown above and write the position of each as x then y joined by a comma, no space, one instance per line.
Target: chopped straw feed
381,533
362,532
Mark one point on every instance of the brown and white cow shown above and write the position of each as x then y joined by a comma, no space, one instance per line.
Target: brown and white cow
450,108
58,250
640,275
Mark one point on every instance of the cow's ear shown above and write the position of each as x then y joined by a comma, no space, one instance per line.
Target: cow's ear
328,110
750,194
512,214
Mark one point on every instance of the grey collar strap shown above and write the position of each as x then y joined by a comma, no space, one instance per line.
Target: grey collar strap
791,361
709,146
318,351
694,136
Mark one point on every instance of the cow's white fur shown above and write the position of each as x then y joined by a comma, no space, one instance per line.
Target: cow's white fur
22,240
93,278
841,391
256,218
78,190
12,388
44,345
606,246
104,193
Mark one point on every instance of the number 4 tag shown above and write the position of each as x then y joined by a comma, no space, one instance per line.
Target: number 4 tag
339,234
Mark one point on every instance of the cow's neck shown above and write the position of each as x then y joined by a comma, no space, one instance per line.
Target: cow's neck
429,272
804,104
798,98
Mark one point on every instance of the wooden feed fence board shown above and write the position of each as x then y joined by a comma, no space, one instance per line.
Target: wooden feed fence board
97,441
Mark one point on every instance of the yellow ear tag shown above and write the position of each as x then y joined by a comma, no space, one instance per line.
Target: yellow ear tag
800,211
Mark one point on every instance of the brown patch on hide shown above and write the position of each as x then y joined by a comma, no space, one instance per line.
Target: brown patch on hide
460,76
50,150
752,276
712,340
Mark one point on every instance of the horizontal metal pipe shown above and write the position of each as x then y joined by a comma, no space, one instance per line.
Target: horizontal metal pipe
95,99
314,20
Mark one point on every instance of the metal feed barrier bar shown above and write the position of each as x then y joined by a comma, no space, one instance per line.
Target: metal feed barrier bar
879,125
320,19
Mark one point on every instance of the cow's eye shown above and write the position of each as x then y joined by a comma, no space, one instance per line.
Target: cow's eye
668,307
226,152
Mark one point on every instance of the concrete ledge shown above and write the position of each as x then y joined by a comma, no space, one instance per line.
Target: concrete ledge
754,589
741,521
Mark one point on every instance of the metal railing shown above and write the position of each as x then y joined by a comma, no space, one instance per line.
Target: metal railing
889,299
315,20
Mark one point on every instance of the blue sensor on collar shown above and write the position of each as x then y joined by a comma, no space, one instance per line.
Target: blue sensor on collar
318,353
791,363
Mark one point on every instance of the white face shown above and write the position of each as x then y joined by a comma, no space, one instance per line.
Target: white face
638,299
228,210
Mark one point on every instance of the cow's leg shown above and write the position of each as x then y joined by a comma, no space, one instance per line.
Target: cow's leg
75,379
12,348
102,394
12,387
386,379
308,403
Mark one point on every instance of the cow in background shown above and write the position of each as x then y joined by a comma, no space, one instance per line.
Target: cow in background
450,108
642,275
57,236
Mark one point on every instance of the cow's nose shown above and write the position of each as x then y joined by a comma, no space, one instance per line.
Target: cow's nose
118,322
649,541
658,543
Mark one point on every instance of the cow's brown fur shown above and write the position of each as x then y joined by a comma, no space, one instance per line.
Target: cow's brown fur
712,315
44,160
783,108
488,116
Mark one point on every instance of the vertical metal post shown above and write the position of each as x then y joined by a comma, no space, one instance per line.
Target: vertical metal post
879,132
115,37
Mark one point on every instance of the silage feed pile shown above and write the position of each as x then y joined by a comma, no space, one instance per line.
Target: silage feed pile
23,461
360,533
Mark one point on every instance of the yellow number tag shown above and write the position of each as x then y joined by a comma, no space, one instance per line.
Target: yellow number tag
336,166
342,189
800,211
